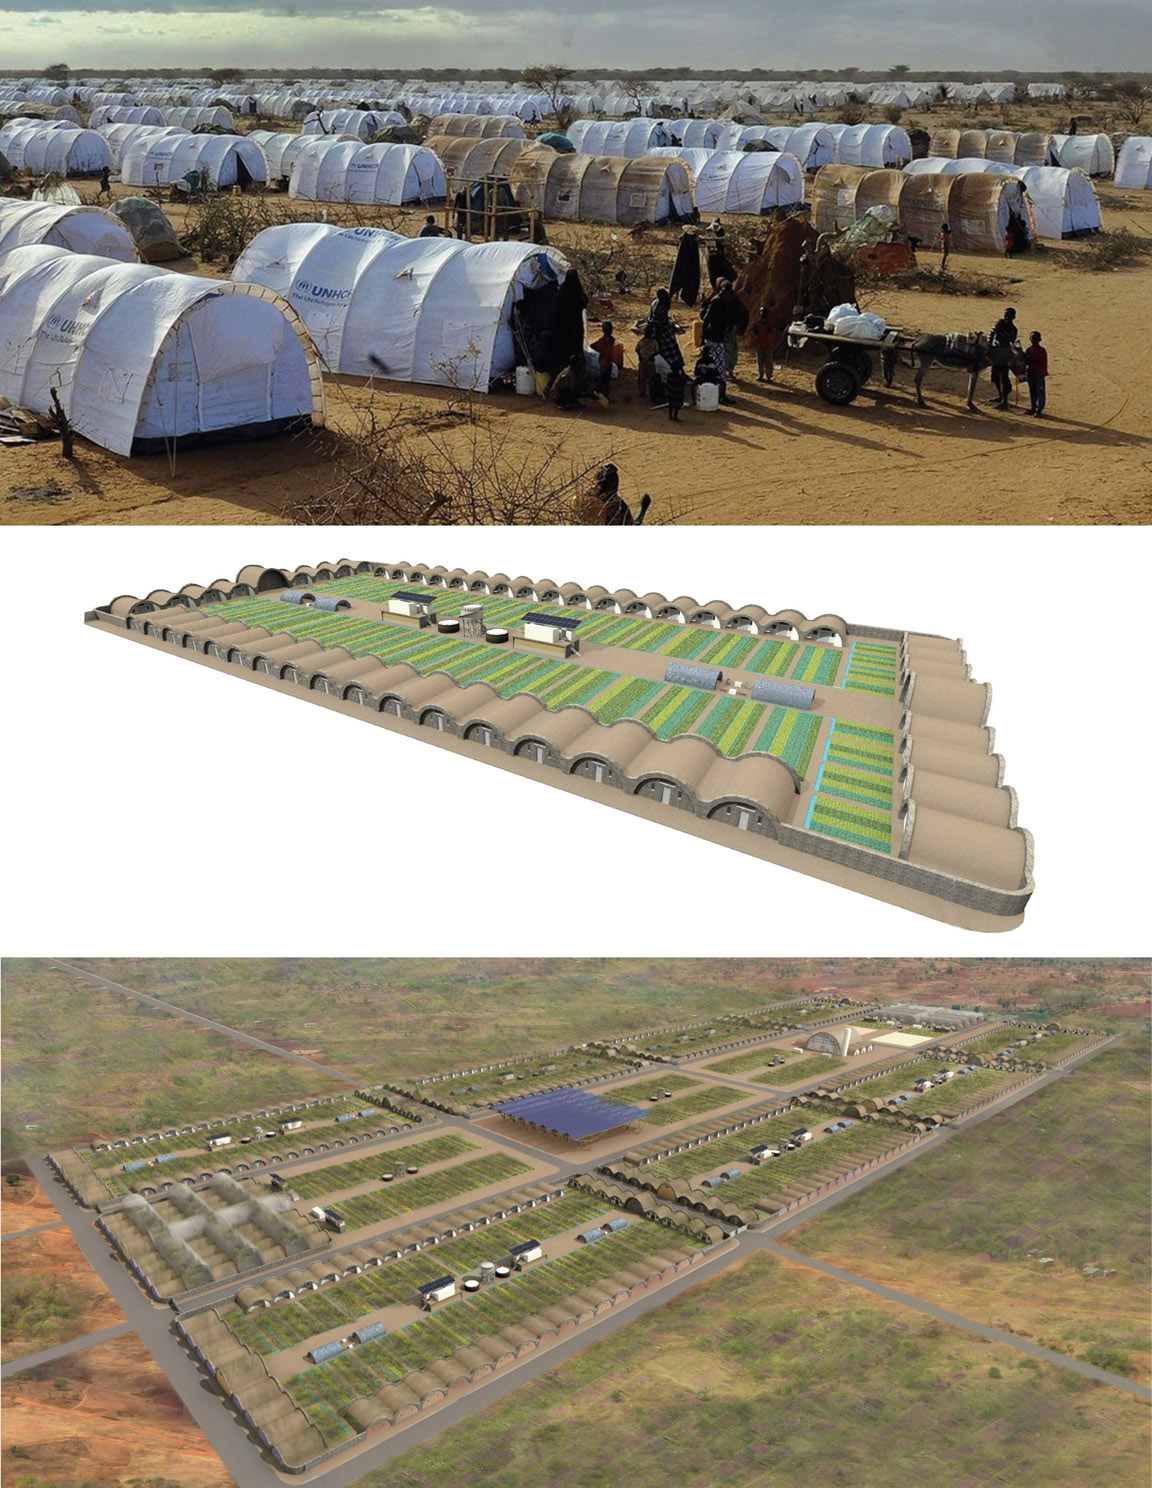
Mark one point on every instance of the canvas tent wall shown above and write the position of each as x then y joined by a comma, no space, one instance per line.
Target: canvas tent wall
1091,153
1133,165
745,184
466,160
161,160
123,114
366,124
349,171
66,151
154,235
478,126
1063,202
281,150
429,310
978,205
618,137
192,116
595,188
78,229
1033,147
143,358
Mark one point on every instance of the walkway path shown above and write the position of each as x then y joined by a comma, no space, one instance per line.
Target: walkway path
59,1350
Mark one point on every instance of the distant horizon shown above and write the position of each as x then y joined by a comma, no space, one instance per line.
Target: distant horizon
401,36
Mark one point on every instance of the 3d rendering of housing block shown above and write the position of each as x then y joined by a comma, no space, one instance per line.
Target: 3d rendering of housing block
856,754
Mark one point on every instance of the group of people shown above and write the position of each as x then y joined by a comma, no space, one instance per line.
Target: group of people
1003,341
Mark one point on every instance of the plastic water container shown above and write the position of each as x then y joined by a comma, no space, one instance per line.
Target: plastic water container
525,382
708,397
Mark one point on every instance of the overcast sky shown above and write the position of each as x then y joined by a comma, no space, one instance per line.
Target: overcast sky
781,35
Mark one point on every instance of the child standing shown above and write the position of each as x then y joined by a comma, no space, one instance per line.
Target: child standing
674,384
1036,360
646,350
765,345
611,354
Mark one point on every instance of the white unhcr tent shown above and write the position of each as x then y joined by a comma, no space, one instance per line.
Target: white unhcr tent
39,147
870,144
78,229
350,171
142,358
1063,202
163,159
621,137
366,124
1091,153
119,136
696,134
812,145
1133,167
119,113
430,310
732,181
193,117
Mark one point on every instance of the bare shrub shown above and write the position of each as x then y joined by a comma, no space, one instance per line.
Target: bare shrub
414,467
852,113
221,227
1121,249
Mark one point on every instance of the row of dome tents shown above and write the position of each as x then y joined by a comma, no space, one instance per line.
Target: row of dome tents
189,118
429,310
366,124
1063,202
478,126
1091,153
44,146
338,170
979,207
143,359
15,109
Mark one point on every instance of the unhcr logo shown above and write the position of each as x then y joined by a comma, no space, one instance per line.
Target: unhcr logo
66,326
321,291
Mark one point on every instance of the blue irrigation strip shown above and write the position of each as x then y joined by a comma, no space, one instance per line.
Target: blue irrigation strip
828,740
848,668
819,777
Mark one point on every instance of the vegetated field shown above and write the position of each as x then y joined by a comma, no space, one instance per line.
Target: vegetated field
81,1061
882,460
389,1018
50,1294
103,1416
806,1069
313,1182
771,1373
645,1089
756,1060
697,1103
1063,1173
522,1078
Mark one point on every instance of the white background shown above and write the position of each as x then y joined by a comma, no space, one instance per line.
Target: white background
160,808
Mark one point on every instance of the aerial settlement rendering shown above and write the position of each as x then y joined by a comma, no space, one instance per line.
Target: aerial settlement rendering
854,753
319,1275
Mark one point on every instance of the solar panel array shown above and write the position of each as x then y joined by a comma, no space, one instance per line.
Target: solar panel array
572,1113
560,622
416,597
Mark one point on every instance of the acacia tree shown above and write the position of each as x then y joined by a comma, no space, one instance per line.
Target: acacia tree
550,79
1131,99
635,85
59,73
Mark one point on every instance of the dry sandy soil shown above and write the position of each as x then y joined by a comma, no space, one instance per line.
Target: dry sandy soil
25,1205
780,455
115,1420
53,1260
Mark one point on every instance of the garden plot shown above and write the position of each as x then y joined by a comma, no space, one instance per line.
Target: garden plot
871,668
805,1069
430,1190
519,1077
646,1089
316,1181
685,1166
755,1060
793,1174
668,1113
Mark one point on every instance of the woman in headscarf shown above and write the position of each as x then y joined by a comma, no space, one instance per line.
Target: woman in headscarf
661,330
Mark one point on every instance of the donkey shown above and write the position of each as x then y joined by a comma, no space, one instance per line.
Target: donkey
967,353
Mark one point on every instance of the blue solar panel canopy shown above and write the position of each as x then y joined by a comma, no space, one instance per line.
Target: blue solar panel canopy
417,596
787,694
434,1286
684,674
561,622
570,1112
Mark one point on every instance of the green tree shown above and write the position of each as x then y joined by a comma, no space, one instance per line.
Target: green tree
549,78
899,69
12,1179
58,73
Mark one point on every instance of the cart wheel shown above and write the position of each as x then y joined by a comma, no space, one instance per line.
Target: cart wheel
854,356
837,382
888,367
